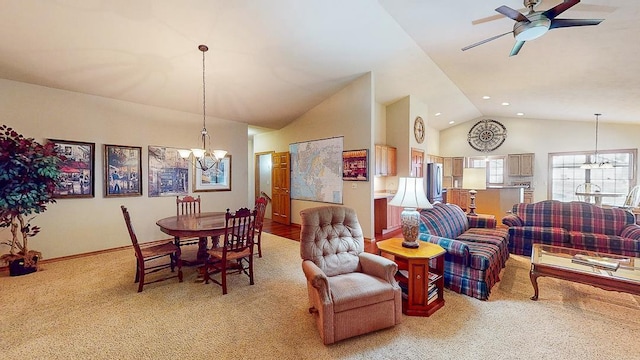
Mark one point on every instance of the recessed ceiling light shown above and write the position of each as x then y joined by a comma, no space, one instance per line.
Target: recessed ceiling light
486,97
520,114
438,114
451,122
505,104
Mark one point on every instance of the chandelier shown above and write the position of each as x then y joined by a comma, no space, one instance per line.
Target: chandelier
204,159
596,164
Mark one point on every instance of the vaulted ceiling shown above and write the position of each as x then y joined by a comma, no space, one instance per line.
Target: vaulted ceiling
269,61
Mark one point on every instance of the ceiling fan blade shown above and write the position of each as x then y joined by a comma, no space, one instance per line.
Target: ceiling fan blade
560,8
560,23
516,48
485,41
512,13
492,18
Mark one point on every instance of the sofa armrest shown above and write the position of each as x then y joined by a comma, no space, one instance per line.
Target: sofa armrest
512,220
481,222
453,247
317,278
631,231
378,266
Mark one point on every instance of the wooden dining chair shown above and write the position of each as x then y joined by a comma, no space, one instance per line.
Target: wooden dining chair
261,208
150,252
236,252
186,206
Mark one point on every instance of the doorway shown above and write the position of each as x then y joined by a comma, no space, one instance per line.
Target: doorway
263,168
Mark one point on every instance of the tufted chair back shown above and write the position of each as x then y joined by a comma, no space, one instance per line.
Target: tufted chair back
332,238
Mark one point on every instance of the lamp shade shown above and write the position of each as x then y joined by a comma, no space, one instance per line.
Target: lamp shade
411,194
474,178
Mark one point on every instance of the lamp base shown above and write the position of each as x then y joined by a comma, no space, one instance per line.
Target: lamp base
410,244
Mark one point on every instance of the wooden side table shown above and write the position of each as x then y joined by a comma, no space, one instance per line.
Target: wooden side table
424,285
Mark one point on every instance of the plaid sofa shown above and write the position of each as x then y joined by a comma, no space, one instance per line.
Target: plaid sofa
476,250
573,224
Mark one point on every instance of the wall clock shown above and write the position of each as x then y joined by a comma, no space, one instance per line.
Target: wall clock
418,129
487,135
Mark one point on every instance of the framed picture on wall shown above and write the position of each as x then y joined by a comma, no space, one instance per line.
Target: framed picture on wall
355,165
168,172
122,170
77,176
216,178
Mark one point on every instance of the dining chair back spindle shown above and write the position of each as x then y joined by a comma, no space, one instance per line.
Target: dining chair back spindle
186,206
152,252
236,252
261,208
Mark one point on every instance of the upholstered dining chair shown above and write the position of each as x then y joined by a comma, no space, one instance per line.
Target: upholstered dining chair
351,292
236,252
152,253
261,208
186,206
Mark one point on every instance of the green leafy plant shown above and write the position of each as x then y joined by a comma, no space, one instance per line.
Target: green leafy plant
29,172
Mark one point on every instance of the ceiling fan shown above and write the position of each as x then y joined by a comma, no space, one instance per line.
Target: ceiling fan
536,23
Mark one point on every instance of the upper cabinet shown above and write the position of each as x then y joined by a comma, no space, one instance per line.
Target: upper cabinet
386,161
457,166
520,164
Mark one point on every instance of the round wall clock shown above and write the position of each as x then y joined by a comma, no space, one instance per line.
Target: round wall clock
487,135
418,129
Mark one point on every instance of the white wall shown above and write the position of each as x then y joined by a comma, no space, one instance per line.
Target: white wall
74,226
543,137
347,113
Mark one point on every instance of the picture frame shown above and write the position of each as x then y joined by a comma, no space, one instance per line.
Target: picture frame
168,172
122,170
355,165
218,178
77,175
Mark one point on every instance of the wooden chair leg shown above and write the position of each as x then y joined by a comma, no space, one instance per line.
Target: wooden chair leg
224,278
141,282
251,270
179,269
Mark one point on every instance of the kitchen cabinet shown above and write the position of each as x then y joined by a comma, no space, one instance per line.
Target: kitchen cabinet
457,166
528,196
386,161
458,197
447,166
520,164
386,217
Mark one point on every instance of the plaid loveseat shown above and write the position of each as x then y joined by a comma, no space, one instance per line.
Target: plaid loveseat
573,224
476,250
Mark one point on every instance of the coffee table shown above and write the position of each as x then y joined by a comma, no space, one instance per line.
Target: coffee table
606,271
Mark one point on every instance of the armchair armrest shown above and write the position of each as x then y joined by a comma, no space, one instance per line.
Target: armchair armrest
512,220
453,247
481,222
631,231
317,278
378,266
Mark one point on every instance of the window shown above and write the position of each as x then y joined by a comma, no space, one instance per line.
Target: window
565,174
494,165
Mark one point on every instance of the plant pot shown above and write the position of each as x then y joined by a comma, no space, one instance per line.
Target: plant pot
17,268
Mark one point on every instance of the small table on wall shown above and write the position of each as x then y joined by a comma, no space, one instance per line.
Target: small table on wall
420,275
200,225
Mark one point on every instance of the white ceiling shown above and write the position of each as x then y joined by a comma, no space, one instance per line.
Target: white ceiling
269,61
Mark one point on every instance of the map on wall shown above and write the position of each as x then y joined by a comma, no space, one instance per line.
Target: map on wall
316,170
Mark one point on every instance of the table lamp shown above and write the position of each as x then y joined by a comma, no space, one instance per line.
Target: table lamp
411,197
474,179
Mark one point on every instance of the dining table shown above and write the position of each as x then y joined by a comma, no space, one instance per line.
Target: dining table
598,195
200,225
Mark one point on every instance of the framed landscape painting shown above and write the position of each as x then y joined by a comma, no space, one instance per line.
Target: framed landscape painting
122,170
217,178
355,165
168,172
77,176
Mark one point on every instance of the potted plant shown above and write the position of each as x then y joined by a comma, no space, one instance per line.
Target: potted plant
29,173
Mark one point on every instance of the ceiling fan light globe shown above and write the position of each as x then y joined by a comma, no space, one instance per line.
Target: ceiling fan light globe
538,26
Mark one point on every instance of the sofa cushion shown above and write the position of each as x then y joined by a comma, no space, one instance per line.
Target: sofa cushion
604,243
588,218
498,237
348,291
444,220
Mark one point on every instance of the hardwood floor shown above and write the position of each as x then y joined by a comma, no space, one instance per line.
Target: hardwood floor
293,232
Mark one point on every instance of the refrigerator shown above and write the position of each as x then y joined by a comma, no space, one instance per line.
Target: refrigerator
434,182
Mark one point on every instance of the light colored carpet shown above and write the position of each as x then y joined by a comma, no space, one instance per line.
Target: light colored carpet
88,308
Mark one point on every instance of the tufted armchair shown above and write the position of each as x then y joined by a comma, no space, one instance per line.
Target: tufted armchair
350,292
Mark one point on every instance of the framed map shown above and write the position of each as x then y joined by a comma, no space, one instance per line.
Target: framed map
316,170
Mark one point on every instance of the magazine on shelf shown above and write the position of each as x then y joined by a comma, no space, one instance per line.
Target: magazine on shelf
605,263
